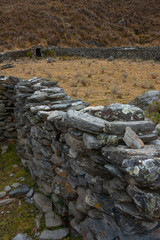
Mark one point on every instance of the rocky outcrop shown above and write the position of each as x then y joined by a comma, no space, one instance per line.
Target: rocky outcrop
77,155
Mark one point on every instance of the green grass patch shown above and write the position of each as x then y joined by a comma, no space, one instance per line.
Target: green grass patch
19,216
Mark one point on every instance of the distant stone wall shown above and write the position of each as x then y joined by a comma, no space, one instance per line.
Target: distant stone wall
144,53
77,155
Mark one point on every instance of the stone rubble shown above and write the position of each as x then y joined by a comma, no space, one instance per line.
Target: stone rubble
77,156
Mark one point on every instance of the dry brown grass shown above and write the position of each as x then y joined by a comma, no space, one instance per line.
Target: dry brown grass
79,23
96,89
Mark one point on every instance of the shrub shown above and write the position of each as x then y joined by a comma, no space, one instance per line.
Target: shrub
29,54
49,53
153,111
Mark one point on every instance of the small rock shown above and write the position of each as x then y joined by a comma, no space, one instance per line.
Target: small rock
30,193
2,194
158,129
132,140
4,149
22,190
50,60
15,185
21,236
43,203
29,200
54,235
22,179
111,58
15,166
11,175
37,220
7,188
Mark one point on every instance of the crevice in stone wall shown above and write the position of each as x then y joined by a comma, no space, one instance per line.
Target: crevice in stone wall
87,160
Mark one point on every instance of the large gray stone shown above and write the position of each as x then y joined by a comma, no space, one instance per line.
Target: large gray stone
146,172
118,128
54,235
85,122
43,203
149,203
145,99
52,220
122,112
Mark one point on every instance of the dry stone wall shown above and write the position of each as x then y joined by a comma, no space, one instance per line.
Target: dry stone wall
7,101
144,53
77,155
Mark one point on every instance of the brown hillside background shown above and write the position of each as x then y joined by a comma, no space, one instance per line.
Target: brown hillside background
79,23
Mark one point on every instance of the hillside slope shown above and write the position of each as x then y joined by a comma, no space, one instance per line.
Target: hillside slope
79,23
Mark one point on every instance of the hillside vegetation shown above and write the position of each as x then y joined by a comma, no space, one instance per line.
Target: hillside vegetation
79,23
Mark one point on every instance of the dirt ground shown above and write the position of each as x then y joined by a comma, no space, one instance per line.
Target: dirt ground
99,82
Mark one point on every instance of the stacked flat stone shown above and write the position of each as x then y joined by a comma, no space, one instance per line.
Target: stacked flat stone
7,100
78,156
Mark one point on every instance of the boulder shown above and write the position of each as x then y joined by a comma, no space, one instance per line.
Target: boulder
142,101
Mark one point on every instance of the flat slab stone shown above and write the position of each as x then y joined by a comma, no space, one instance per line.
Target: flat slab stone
131,139
116,155
6,201
85,122
118,127
40,108
8,65
22,190
43,203
54,235
15,185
